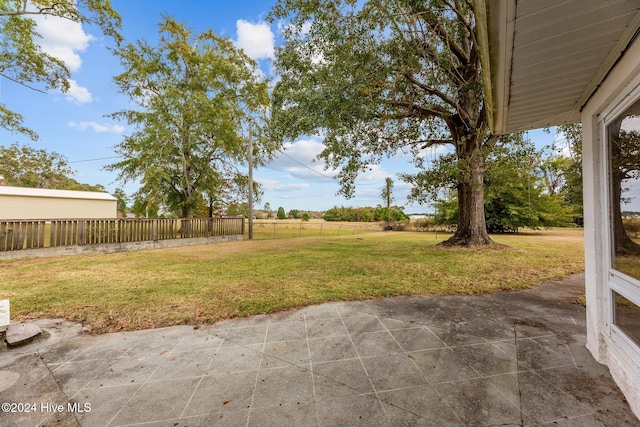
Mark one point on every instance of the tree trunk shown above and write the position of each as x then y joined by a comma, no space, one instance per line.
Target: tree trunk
623,245
185,226
472,226
622,242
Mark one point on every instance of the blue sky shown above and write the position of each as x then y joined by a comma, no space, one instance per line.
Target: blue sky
74,124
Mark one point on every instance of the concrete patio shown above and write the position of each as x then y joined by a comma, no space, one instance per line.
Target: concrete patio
508,359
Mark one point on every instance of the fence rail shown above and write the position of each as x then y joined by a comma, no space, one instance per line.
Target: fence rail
33,234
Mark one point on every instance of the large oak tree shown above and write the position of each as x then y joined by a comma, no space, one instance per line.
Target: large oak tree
196,94
376,77
524,186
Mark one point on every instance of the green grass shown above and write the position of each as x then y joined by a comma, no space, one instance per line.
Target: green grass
287,229
202,284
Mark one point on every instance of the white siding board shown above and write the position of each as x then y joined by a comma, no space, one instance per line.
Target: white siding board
54,204
555,55
559,49
568,22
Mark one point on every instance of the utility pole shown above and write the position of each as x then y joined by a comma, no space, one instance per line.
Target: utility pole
250,198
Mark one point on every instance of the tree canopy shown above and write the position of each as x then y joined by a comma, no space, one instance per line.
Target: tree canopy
25,166
380,77
197,95
524,187
23,61
569,140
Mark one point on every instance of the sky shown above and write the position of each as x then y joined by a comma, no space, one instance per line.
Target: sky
75,124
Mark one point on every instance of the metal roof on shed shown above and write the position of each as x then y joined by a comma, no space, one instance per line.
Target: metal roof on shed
60,194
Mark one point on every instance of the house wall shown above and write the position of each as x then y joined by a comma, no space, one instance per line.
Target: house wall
35,207
617,88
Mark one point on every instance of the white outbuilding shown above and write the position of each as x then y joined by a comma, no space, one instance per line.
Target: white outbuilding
40,203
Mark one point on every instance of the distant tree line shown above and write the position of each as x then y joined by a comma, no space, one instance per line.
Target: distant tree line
365,214
25,166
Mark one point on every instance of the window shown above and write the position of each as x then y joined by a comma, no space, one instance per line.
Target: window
627,317
623,136
624,153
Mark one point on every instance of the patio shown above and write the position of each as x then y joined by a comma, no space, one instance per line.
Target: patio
511,358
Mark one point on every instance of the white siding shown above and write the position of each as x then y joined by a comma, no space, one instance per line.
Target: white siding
54,204
616,89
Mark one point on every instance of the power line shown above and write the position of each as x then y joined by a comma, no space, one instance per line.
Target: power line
307,167
94,160
319,173
373,183
281,152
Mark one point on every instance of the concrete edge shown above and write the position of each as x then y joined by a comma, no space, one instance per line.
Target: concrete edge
108,248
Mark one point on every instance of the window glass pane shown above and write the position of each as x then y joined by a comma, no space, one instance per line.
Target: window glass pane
627,317
624,148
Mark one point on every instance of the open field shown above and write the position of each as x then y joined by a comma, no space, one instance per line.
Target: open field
291,228
201,284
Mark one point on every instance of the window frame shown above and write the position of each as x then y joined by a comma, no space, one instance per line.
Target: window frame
617,281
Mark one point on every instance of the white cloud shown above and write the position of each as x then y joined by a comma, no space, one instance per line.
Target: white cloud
304,150
276,185
631,123
257,40
63,39
374,173
96,127
78,94
299,161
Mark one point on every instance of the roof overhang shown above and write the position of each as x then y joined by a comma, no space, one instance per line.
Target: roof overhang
544,59
59,194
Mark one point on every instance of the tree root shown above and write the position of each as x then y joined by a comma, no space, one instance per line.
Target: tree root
471,242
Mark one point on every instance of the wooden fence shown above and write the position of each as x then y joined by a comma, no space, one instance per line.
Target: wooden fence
32,234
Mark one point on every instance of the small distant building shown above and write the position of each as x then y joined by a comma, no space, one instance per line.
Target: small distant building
40,203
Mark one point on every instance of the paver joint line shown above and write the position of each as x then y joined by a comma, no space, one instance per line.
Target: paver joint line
363,366
255,386
515,341
57,385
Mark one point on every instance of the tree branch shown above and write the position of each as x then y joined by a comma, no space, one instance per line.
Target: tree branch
442,33
428,143
462,18
418,32
50,11
432,91
22,84
414,110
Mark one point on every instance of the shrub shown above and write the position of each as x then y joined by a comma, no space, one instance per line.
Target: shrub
423,224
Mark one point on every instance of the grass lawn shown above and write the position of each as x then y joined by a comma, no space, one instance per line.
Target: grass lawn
202,284
287,229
